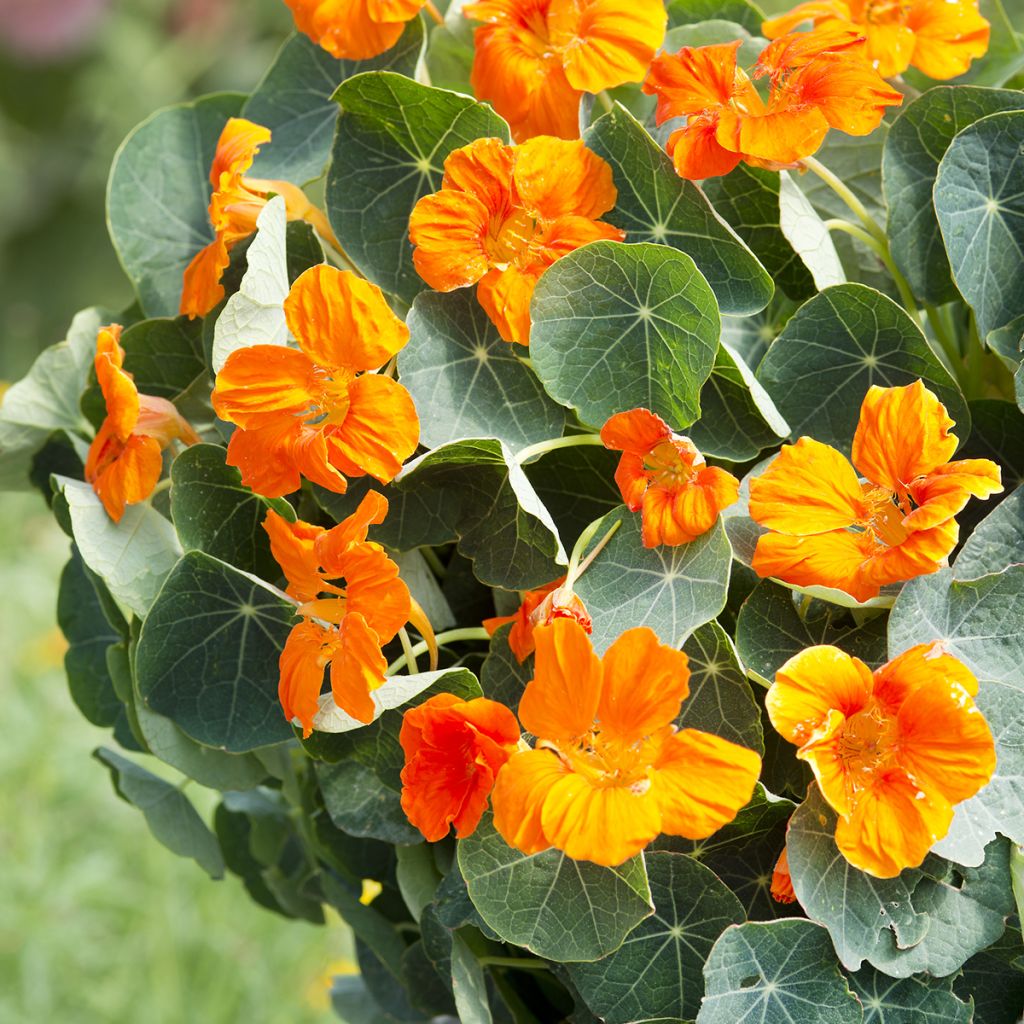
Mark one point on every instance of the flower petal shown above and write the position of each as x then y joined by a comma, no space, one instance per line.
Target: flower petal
835,559
505,296
557,178
129,476
636,431
302,672
357,667
482,169
345,29
332,544
264,385
293,548
449,230
374,591
947,36
264,458
947,489
520,791
201,289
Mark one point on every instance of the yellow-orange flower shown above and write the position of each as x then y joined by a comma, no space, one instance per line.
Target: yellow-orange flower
539,607
782,882
504,215
453,751
345,629
664,477
829,529
610,771
125,458
311,411
816,82
892,750
236,202
534,59
939,37
354,29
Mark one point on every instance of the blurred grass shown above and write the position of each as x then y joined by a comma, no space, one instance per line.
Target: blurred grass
99,924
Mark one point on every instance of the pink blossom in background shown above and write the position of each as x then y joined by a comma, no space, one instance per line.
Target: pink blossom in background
47,30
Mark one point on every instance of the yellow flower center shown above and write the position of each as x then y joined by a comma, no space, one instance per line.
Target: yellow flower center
671,463
330,392
612,762
509,238
867,744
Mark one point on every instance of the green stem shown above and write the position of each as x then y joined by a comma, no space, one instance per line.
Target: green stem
534,451
947,342
576,567
847,196
604,99
410,652
517,963
974,376
162,486
880,247
432,559
450,637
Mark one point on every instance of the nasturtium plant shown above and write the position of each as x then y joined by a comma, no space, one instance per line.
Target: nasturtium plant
568,509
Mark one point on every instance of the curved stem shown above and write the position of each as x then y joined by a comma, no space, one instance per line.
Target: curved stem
946,341
576,567
450,637
534,451
410,651
604,99
881,249
847,196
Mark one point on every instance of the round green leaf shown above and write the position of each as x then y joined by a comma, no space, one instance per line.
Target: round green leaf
468,382
834,348
980,208
655,205
657,971
997,541
917,141
617,327
559,908
392,141
208,651
783,971
930,918
919,999
294,99
673,590
158,194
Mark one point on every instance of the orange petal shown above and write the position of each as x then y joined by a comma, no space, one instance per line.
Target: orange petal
809,488
812,683
837,559
918,666
893,826
947,489
557,178
947,36
824,753
264,458
521,789
128,473
332,544
293,548
449,231
694,507
645,683
561,700
701,781
556,238
201,288
603,824
119,391
239,142
394,10
311,457
380,430
696,152
373,589
694,80
784,134
903,433
159,419
263,385
347,29
341,320
923,552
505,296
357,668
796,49
782,882
302,672
636,431
484,170
632,480
815,11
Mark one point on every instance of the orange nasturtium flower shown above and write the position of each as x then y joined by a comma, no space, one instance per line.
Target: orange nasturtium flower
354,29
892,750
454,749
534,59
939,37
782,881
125,458
539,608
312,411
610,771
664,477
504,215
830,529
236,202
347,627
816,82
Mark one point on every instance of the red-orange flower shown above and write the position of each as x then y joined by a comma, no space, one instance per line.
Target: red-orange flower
829,529
664,477
610,770
504,215
236,202
453,751
892,750
816,82
539,608
354,29
939,37
534,59
125,458
311,411
782,881
345,629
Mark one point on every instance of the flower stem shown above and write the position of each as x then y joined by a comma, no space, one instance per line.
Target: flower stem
430,556
576,567
534,451
604,99
450,637
407,647
847,196
161,486
433,12
519,963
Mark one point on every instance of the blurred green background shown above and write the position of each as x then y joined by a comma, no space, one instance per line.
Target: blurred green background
99,924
